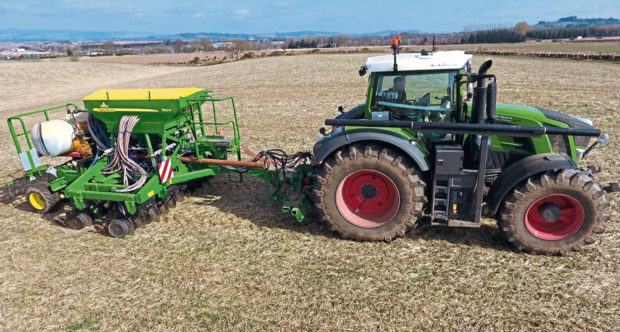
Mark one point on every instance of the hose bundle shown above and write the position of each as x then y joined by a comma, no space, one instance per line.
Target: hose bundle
97,133
282,161
121,160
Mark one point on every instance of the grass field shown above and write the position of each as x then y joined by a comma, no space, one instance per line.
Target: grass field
224,259
611,47
157,58
564,46
590,47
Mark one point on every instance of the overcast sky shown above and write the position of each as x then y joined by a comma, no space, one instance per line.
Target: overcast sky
245,16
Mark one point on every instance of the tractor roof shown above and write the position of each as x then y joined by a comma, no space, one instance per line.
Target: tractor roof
417,61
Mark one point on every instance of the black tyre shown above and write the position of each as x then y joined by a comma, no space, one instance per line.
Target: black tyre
138,221
154,213
41,199
179,196
554,213
369,192
78,220
162,207
146,215
170,202
119,228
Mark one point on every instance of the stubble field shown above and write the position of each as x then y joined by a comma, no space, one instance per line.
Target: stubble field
225,259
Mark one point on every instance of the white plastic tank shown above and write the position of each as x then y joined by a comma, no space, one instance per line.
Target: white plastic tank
52,138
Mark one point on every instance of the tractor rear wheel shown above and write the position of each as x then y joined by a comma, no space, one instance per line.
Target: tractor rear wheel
554,213
41,199
369,192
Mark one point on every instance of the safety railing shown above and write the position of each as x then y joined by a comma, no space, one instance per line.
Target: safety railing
215,123
28,160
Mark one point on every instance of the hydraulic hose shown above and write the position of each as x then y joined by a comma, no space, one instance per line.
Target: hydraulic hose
121,160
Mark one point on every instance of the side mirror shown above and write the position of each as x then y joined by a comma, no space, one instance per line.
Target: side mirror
363,70
491,100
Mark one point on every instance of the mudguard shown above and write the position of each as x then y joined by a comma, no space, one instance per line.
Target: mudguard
355,113
326,145
521,170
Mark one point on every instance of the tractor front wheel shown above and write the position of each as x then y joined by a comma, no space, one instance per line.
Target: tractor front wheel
367,192
554,213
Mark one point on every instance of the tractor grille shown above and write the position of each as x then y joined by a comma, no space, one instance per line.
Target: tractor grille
573,122
559,143
582,140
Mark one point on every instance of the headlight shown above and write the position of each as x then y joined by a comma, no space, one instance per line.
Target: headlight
585,120
580,153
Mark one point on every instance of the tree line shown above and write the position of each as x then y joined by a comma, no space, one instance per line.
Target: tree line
600,31
479,34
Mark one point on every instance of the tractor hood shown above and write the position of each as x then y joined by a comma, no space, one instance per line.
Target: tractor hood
526,115
511,112
573,122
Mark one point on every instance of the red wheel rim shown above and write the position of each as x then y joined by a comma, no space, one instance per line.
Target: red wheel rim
367,198
554,217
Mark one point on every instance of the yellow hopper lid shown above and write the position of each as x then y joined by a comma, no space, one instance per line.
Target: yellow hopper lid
142,94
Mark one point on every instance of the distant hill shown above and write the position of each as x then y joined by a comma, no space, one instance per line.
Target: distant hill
384,33
19,35
572,22
280,35
228,36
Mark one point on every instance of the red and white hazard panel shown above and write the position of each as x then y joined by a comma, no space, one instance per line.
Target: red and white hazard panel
165,170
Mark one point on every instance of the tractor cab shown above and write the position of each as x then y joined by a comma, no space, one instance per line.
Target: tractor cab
423,88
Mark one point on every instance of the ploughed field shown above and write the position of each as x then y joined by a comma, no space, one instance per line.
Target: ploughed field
225,259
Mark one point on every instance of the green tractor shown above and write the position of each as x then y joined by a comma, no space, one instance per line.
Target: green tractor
431,139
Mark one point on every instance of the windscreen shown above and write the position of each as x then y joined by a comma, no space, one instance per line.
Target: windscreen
420,96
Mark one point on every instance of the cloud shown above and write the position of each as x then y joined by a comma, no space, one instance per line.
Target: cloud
241,14
14,7
89,5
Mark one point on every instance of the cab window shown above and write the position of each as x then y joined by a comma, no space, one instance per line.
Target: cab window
420,96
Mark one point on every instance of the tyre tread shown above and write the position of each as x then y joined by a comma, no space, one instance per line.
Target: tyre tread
569,179
373,153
